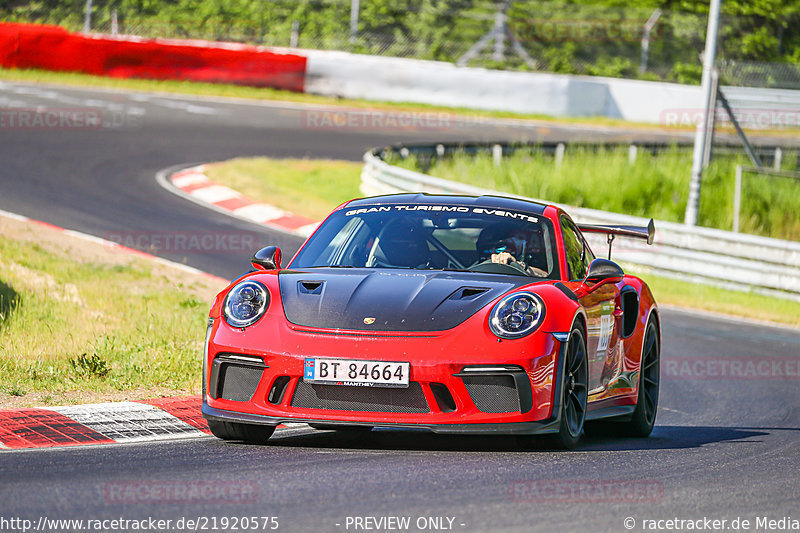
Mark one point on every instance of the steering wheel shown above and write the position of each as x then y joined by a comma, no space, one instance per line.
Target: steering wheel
515,268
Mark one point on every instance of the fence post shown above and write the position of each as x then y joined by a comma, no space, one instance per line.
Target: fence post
711,120
648,29
632,150
701,133
559,154
778,158
295,37
354,9
497,154
737,198
87,17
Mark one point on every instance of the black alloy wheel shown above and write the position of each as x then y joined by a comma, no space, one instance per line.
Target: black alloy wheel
575,391
644,417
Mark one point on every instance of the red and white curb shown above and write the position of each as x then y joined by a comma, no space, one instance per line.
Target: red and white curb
103,423
111,423
193,184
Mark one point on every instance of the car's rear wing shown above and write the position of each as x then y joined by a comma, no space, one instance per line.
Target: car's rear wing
637,232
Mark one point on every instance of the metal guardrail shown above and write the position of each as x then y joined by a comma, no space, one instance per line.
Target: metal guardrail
705,255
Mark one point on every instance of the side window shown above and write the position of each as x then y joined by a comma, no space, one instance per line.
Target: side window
578,254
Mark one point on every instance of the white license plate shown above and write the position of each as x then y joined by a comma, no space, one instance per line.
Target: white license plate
356,373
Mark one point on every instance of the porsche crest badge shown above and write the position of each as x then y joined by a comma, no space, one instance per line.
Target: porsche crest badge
369,320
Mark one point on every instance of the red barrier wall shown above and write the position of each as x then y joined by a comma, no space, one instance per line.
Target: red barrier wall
53,48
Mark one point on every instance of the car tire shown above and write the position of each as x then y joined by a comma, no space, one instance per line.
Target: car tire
644,416
574,391
251,433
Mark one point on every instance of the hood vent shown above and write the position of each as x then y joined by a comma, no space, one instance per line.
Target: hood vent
310,287
468,293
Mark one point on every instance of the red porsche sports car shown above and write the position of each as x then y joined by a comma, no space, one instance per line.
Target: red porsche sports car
454,314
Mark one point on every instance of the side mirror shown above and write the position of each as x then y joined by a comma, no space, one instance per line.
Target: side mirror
268,258
602,271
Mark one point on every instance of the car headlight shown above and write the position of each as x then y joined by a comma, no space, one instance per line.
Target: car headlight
516,315
245,304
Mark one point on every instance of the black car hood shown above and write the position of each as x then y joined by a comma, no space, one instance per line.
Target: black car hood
397,300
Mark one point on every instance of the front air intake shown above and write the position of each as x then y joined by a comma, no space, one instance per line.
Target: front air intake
503,389
235,377
370,399
278,388
443,397
493,394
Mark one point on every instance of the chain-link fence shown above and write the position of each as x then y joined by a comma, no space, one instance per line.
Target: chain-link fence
755,74
572,38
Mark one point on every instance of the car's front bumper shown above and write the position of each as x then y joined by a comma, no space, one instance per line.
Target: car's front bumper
549,425
513,387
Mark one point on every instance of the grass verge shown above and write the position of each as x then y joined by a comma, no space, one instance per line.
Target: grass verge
313,188
81,322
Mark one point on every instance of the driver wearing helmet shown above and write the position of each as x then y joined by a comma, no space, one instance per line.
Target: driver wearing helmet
506,245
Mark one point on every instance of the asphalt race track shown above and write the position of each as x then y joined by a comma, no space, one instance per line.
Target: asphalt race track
726,445
101,180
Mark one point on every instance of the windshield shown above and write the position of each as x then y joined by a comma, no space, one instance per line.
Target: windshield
434,237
